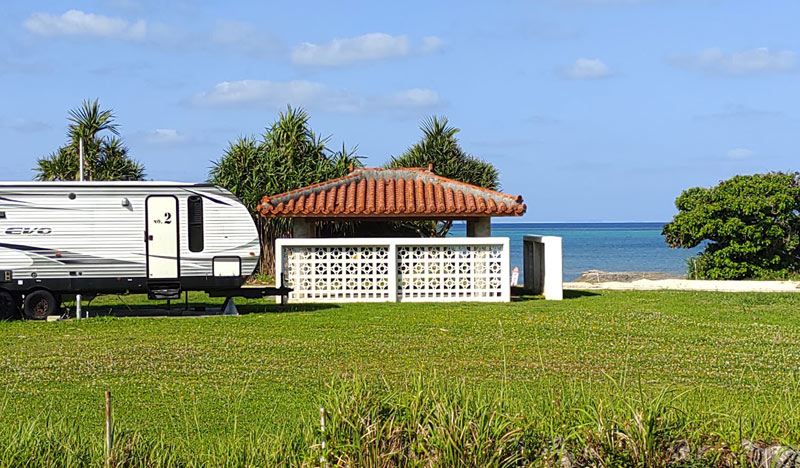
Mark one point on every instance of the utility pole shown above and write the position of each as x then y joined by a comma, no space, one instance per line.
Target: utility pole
78,312
80,159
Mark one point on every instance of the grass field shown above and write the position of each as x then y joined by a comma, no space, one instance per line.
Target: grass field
728,363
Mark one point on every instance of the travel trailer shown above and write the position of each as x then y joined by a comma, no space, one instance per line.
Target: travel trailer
160,238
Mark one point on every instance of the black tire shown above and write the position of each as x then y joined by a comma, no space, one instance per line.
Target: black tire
39,304
8,306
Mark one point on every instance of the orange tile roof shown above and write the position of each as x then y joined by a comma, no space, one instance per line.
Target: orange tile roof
410,193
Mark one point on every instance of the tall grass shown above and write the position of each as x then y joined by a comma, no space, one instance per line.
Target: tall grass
56,443
448,424
425,423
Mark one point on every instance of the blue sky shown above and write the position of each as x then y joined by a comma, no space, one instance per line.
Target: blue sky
593,110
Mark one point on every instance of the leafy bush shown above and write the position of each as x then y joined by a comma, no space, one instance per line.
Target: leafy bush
751,225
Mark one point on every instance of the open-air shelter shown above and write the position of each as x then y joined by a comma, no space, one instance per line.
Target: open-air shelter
475,267
406,194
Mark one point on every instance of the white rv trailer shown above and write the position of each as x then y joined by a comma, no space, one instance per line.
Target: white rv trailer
64,238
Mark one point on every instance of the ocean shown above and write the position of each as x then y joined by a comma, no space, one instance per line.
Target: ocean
598,246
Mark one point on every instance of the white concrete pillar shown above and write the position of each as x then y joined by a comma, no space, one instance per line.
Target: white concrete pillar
542,266
479,227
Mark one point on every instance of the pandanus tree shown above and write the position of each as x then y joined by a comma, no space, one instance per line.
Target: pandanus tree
439,148
105,156
289,155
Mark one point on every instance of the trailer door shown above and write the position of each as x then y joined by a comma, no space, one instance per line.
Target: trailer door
162,237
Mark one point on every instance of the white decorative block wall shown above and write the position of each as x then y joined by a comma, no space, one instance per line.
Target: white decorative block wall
337,274
399,269
452,272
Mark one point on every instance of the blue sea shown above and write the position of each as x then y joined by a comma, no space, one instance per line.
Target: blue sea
598,246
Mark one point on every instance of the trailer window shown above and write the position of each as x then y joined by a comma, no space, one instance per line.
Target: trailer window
195,223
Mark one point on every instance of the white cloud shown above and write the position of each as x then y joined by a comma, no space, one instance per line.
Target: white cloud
274,94
431,44
261,92
586,69
226,37
340,52
760,60
79,23
162,136
416,98
740,153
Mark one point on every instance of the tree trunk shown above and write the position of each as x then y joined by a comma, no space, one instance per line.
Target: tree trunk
267,265
267,239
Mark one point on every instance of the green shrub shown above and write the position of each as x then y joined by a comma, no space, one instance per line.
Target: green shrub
750,226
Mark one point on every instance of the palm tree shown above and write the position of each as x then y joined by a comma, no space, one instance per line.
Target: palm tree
113,163
106,158
439,148
88,120
288,156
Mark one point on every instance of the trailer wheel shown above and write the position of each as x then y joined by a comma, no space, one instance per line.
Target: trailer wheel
8,306
39,304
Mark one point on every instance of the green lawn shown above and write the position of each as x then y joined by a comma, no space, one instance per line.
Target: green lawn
732,359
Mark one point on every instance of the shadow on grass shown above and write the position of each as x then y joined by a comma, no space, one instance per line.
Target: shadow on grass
198,309
519,294
283,309
574,294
